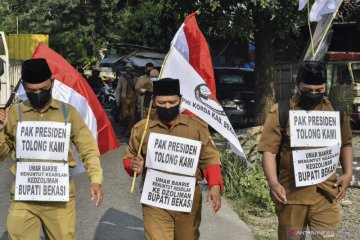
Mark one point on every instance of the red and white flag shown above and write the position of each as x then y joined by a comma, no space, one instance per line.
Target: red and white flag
70,87
192,45
189,60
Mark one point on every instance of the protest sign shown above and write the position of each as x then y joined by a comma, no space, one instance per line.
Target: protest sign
42,140
173,154
168,191
42,181
314,128
315,166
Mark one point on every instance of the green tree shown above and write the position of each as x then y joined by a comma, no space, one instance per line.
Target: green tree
151,24
77,28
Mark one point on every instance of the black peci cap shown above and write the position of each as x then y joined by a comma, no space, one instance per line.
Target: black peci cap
166,87
312,73
35,71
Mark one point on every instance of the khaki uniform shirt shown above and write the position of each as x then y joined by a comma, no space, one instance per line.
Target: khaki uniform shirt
270,142
125,90
142,82
81,136
184,126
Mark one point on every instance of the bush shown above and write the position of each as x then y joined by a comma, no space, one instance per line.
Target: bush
244,184
247,186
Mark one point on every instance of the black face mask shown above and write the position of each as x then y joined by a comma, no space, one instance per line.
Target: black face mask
309,101
39,100
167,114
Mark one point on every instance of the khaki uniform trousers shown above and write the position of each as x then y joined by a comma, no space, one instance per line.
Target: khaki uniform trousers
128,112
162,224
58,219
322,220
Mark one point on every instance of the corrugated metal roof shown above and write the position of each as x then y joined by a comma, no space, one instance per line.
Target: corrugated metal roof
113,58
147,54
138,59
141,62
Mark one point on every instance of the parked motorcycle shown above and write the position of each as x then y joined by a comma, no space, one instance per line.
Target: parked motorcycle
106,97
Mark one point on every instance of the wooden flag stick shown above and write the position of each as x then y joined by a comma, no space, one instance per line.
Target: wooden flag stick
141,143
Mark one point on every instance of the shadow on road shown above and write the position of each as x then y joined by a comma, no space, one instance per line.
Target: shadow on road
4,236
115,224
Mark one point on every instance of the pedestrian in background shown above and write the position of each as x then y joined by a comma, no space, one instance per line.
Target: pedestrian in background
141,85
154,76
125,97
95,81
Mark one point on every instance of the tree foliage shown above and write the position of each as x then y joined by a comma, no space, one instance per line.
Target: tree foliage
78,29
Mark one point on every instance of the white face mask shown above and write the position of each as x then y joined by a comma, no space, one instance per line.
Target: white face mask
154,78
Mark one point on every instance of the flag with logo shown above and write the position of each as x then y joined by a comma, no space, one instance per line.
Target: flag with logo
189,60
70,87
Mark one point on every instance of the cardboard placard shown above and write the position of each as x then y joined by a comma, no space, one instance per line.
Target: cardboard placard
42,181
168,191
42,140
173,154
315,166
314,128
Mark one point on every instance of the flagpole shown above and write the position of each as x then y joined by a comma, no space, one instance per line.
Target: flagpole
165,60
327,28
309,25
140,146
13,94
147,123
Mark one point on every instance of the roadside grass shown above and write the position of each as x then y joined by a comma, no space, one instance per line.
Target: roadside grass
260,237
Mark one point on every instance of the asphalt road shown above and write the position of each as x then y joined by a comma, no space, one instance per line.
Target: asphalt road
120,215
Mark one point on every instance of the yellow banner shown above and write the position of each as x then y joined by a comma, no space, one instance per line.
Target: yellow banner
22,46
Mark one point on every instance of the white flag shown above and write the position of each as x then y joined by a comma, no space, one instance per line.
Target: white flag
321,7
195,98
302,4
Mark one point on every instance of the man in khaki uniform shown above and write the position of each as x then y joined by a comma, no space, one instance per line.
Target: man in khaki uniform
154,76
58,219
161,223
142,85
313,206
126,96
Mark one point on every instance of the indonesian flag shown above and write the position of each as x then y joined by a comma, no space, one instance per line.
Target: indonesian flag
70,87
192,45
189,60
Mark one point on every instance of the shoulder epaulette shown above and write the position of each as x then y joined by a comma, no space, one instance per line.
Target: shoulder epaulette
199,121
140,124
